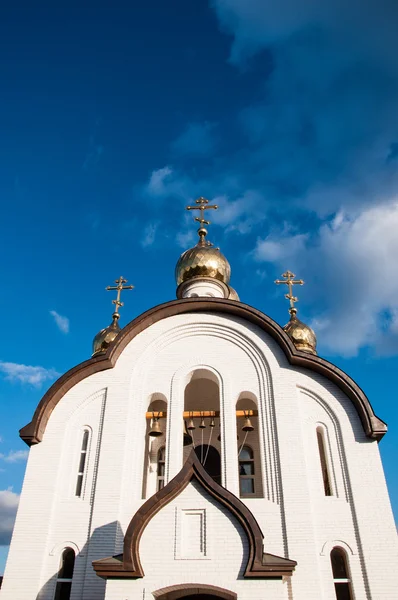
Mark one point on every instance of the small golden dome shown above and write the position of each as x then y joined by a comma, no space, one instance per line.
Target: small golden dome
105,337
203,260
302,336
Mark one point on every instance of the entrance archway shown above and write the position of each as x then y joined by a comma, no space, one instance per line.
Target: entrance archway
194,591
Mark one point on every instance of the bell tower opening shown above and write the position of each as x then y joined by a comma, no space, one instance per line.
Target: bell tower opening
155,445
201,421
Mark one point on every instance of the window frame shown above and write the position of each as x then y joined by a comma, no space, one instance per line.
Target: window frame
62,580
247,461
160,465
340,581
80,482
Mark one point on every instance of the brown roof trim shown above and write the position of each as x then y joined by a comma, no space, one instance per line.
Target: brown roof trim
33,432
128,565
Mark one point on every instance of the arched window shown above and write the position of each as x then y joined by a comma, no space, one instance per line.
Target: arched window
246,472
82,464
65,575
154,469
324,464
161,467
342,582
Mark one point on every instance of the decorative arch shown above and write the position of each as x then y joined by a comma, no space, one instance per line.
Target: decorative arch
34,431
175,592
330,544
62,545
128,564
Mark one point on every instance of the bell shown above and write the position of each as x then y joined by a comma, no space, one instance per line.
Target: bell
187,441
191,425
247,425
212,422
155,429
202,424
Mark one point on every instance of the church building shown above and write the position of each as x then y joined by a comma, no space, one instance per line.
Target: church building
204,452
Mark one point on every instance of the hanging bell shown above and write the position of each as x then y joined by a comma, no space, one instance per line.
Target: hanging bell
155,430
247,425
191,425
187,440
202,424
212,422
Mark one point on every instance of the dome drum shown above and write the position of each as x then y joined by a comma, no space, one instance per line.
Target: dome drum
206,287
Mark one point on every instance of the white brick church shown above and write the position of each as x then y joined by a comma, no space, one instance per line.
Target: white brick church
204,452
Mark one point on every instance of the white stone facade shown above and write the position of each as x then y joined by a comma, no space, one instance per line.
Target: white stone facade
193,539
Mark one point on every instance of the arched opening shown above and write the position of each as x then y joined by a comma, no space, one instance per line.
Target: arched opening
155,446
65,574
194,590
248,448
202,421
211,460
341,578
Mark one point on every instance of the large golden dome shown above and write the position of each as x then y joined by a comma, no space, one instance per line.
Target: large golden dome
302,336
203,260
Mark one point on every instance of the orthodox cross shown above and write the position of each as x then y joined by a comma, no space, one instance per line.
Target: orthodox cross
290,282
203,205
119,287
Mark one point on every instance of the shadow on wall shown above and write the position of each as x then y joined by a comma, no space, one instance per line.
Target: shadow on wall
83,581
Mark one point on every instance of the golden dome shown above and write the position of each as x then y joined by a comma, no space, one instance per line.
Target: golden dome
302,336
203,260
105,337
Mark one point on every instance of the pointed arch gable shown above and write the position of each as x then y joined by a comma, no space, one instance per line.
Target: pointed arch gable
34,431
128,565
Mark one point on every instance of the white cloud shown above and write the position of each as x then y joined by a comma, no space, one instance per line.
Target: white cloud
158,181
35,376
242,214
61,322
15,456
276,249
8,510
149,234
257,23
350,264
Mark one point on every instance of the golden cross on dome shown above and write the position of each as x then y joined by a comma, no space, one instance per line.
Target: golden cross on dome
119,287
290,282
203,205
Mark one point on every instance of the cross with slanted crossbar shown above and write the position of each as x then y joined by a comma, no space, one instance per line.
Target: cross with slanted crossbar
203,205
290,282
119,287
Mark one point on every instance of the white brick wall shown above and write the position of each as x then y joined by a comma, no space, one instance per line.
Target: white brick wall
296,518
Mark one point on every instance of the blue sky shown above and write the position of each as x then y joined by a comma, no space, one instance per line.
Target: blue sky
114,117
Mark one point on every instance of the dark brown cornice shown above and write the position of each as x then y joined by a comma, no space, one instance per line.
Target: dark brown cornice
33,432
128,565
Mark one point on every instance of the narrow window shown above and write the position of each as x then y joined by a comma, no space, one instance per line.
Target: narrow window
161,467
246,471
342,582
324,466
65,574
82,464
